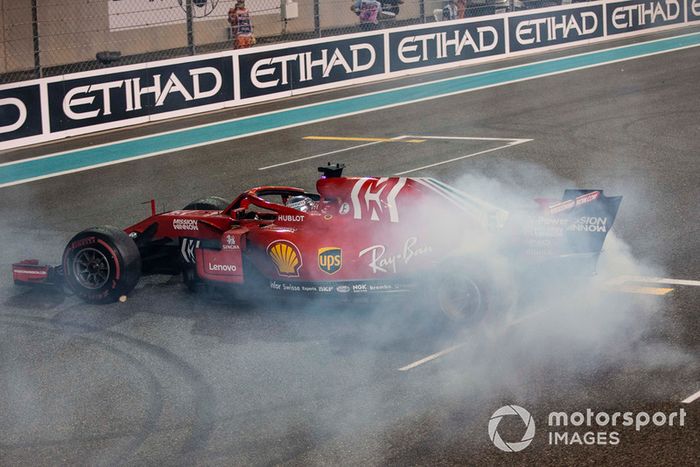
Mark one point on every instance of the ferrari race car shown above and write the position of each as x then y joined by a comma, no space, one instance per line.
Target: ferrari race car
356,235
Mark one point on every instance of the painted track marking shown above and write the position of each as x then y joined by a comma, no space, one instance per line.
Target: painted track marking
691,398
653,280
431,357
510,322
353,138
316,156
455,159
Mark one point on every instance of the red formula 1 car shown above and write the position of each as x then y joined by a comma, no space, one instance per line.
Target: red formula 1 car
357,235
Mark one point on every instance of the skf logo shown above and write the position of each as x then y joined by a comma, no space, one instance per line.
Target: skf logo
330,259
286,257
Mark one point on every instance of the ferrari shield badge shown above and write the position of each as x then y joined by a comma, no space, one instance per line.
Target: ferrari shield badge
286,257
330,259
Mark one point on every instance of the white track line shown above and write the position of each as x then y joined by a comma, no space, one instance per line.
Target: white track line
431,357
469,138
511,144
690,399
653,280
448,350
294,161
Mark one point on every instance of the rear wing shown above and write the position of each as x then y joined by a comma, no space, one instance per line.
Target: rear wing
590,216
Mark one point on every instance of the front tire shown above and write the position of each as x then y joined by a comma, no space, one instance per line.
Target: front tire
101,264
210,203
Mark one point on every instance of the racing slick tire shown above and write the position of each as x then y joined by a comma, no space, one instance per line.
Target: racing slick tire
101,264
465,294
210,203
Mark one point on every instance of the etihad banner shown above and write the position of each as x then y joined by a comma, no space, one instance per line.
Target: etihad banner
106,98
635,15
310,65
20,112
448,43
555,27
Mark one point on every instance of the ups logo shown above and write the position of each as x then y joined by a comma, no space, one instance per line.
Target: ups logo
330,259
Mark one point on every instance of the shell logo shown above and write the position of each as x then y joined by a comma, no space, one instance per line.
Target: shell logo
286,257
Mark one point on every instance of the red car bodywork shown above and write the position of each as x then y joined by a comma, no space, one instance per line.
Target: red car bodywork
358,234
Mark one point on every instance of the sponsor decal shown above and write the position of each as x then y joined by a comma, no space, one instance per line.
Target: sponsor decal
330,259
633,15
221,267
313,288
344,209
694,10
185,224
382,262
375,199
343,288
589,224
571,203
20,112
556,27
303,66
187,249
548,227
110,97
230,243
286,257
290,218
445,44
359,288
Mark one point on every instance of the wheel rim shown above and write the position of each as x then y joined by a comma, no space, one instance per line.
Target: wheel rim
460,299
91,268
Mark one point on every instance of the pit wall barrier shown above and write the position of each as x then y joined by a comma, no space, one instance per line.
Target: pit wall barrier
76,104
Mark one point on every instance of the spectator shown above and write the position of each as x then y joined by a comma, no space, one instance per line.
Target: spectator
241,26
450,11
461,8
391,7
368,11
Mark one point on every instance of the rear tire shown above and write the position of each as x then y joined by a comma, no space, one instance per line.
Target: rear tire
210,203
101,264
467,291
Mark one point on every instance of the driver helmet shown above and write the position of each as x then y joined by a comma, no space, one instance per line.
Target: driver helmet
300,202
